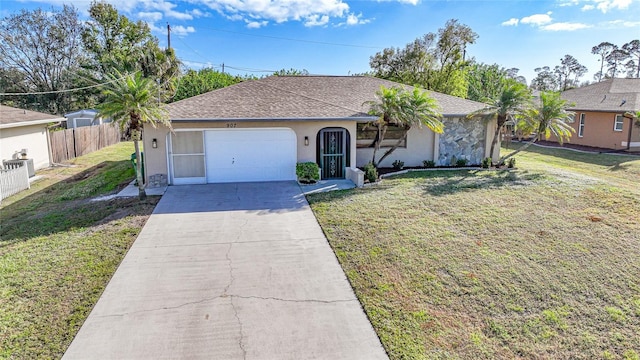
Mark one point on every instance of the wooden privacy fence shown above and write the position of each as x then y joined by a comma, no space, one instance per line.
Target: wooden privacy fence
13,179
70,143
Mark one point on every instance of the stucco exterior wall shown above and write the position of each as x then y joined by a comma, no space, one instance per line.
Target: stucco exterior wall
156,159
33,138
462,137
420,143
598,131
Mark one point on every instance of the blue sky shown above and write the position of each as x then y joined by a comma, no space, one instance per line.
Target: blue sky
337,37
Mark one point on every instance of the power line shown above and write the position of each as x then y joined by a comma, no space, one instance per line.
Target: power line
210,64
62,91
192,49
297,40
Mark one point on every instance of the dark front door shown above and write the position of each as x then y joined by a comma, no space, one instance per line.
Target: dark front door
333,153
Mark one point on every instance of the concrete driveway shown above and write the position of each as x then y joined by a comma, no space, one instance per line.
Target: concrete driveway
229,271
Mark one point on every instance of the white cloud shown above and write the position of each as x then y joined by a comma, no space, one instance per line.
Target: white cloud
316,20
354,19
564,26
545,22
155,28
537,19
606,5
256,24
167,8
234,17
198,13
511,22
623,23
279,10
197,64
180,30
602,5
150,16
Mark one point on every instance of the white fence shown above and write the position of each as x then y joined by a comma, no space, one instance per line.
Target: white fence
13,179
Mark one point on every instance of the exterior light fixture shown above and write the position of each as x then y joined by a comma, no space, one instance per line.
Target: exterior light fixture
154,143
306,141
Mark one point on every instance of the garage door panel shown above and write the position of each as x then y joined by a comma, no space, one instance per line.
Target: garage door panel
250,155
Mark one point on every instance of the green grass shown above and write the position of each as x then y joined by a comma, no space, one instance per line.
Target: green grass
541,262
58,250
621,170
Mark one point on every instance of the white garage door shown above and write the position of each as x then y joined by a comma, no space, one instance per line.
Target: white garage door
236,155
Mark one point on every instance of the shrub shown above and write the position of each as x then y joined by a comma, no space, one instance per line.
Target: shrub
453,161
486,163
307,172
429,163
461,162
370,173
511,163
398,164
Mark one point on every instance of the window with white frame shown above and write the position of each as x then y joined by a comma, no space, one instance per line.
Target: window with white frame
619,123
581,126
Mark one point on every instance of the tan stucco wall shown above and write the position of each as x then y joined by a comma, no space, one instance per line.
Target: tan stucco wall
156,159
598,131
33,138
420,144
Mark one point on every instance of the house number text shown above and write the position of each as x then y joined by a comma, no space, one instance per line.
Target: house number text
232,125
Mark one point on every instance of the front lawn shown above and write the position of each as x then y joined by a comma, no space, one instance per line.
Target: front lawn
541,262
58,250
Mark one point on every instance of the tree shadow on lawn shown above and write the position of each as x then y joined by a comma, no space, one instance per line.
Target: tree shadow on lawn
438,183
67,205
451,182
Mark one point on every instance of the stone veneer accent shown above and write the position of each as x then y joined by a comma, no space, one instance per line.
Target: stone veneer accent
462,138
157,180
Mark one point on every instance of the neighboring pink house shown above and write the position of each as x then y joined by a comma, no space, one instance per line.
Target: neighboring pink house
600,110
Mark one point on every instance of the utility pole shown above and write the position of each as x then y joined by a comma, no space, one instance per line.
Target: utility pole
223,68
168,36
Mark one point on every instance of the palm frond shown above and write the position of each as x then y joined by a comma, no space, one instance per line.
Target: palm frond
133,96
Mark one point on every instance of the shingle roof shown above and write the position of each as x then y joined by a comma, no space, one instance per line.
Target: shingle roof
612,95
299,97
10,116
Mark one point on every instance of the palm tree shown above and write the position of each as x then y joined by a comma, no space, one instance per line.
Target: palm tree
514,98
549,117
402,108
132,101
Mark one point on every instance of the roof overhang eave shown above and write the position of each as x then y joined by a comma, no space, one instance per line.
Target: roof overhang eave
617,111
30,123
350,118
82,113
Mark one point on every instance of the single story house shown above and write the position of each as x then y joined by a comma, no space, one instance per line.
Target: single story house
258,130
600,110
25,131
84,118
